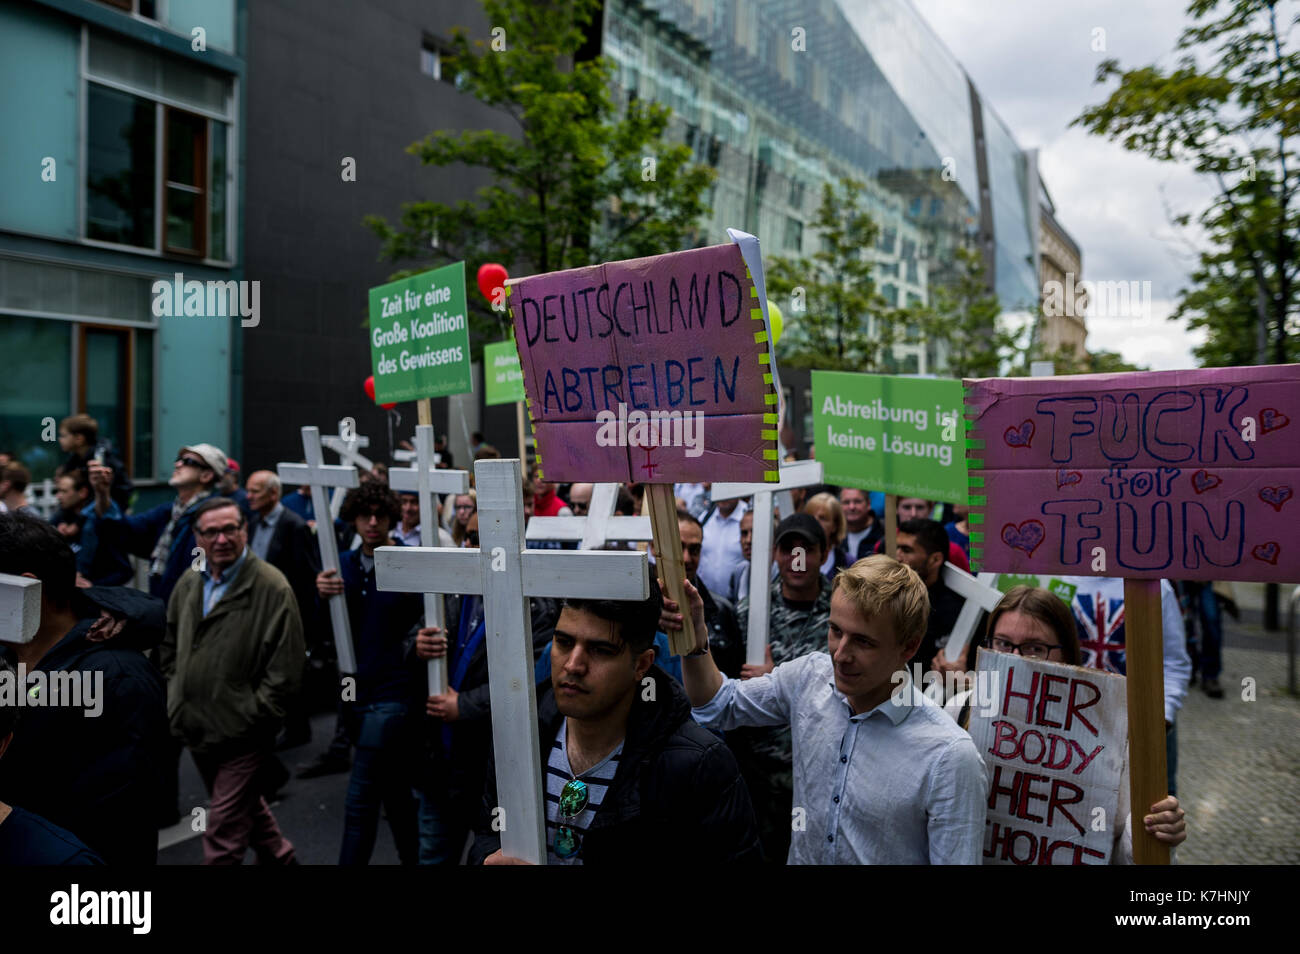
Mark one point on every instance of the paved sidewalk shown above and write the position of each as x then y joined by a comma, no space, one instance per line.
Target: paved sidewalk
1238,761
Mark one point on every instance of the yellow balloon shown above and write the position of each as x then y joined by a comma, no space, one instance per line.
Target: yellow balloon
777,320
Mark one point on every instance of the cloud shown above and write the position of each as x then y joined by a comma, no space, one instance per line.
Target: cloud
1034,64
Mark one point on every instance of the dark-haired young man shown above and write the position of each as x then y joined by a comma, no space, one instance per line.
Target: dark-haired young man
389,687
79,439
630,777
923,545
98,777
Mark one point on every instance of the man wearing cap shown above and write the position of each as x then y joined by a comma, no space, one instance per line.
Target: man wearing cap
799,611
229,488
165,534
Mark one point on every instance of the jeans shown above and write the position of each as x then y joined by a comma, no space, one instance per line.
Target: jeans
380,775
1211,633
442,829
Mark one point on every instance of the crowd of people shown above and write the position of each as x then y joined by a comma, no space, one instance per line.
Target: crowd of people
204,621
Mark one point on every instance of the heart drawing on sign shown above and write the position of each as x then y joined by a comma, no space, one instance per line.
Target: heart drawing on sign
1019,436
1267,552
1025,537
1066,477
1271,419
1203,480
1275,497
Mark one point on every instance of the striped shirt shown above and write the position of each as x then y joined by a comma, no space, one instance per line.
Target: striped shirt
558,774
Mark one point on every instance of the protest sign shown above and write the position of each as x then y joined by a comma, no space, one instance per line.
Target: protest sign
1184,475
654,369
1053,749
896,434
503,379
419,336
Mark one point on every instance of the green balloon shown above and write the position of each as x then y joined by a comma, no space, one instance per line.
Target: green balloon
777,319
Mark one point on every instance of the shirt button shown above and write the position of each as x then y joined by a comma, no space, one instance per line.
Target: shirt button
836,799
844,758
830,837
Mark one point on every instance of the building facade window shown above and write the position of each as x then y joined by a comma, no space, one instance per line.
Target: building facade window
434,56
157,153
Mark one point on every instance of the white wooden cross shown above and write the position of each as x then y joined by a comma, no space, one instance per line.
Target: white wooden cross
320,475
347,443
428,482
598,528
43,498
799,473
20,608
506,574
980,595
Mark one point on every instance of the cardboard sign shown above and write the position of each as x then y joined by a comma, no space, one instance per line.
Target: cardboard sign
1006,582
653,369
1053,748
503,379
1184,475
419,336
895,434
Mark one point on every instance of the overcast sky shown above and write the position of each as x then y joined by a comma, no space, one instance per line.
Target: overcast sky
1033,61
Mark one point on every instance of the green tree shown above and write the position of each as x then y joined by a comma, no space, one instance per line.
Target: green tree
576,180
1229,109
965,317
829,298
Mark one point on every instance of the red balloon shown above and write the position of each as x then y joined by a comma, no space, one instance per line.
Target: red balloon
369,386
491,277
389,407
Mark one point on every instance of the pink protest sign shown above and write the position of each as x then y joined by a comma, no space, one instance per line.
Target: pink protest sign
652,369
1184,475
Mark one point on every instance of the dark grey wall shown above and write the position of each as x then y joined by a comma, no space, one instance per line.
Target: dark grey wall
329,79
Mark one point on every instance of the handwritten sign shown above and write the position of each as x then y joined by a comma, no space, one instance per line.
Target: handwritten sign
503,379
896,434
653,369
1053,748
1185,475
419,336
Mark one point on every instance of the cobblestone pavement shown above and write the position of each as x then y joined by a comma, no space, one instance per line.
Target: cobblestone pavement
1239,761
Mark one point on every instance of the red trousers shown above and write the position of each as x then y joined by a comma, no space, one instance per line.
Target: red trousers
238,815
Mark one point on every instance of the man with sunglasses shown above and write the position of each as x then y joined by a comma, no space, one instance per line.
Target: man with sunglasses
233,657
630,777
165,534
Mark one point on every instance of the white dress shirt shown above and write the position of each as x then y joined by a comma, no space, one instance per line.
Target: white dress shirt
901,784
720,553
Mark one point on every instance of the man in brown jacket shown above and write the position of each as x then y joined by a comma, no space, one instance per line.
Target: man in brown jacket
233,657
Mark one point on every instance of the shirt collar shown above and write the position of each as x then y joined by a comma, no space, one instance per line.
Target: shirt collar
896,708
270,519
230,570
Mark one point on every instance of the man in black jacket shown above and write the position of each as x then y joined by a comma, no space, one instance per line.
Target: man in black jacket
97,777
630,777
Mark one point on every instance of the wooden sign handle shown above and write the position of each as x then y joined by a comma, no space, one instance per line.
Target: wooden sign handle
1145,671
891,522
662,504
435,669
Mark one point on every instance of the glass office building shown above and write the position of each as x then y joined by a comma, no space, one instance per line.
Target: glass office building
781,96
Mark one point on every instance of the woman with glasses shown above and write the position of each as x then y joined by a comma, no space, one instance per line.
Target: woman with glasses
1037,624
465,506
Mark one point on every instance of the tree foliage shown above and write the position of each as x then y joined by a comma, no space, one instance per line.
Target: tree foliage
577,179
836,320
1230,109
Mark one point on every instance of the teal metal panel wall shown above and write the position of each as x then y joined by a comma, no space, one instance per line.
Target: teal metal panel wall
216,17
38,114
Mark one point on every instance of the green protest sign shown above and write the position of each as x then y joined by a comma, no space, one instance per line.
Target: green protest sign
419,336
901,435
503,379
1006,581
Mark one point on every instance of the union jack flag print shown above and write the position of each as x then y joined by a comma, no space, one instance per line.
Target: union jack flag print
1101,629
